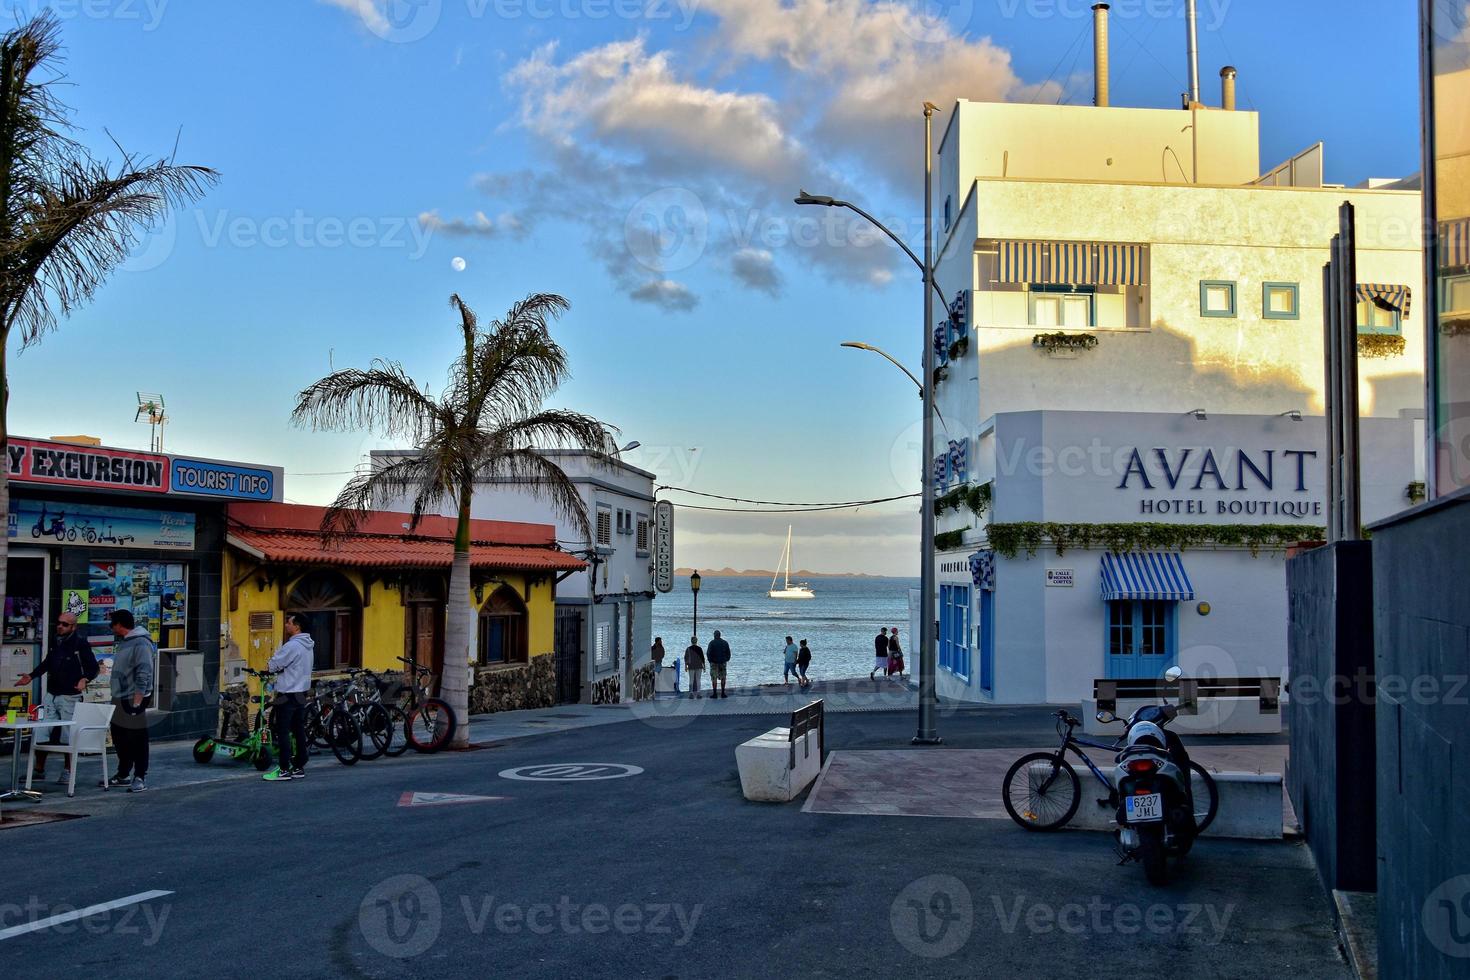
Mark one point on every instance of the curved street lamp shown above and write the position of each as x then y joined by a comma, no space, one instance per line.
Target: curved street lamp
928,734
694,587
859,345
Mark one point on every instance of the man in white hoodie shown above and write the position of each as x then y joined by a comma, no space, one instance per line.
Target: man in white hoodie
292,663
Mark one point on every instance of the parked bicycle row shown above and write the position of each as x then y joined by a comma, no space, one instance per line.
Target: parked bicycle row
362,717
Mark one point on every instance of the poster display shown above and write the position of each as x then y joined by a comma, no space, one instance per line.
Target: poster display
157,595
74,601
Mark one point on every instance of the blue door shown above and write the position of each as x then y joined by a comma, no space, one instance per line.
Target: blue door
1140,640
987,641
954,630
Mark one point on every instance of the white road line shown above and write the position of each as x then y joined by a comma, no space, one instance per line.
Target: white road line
90,910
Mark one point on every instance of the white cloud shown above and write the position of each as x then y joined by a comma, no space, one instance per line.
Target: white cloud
666,293
479,226
756,268
367,11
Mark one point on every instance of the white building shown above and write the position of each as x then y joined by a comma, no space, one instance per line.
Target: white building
1128,289
604,616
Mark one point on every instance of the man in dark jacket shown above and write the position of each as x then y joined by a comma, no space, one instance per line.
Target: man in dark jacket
68,666
718,656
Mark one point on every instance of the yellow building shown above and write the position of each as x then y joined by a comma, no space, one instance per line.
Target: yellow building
380,594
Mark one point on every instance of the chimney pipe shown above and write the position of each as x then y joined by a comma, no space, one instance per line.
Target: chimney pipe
1227,88
1191,28
1100,54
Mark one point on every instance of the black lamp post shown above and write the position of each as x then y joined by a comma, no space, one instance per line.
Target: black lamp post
694,587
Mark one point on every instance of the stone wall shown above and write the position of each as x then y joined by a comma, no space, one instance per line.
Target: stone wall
513,687
608,690
643,683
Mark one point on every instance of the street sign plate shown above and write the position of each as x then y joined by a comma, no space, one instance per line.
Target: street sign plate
663,546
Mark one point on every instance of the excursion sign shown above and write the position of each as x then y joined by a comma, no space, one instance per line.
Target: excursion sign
99,467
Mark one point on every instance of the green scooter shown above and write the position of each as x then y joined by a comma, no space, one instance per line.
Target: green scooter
254,748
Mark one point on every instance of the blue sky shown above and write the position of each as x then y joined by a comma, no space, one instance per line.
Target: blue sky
364,145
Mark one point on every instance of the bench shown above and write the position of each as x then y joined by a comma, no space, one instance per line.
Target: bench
777,766
1227,706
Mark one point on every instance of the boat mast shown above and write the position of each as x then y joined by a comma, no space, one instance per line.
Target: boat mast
788,556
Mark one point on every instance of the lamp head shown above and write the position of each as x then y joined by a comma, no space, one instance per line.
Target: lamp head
630,446
804,198
694,582
1199,414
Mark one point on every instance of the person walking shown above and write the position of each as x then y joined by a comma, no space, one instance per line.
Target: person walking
656,653
790,669
803,661
292,664
694,665
880,652
719,660
895,654
68,666
131,685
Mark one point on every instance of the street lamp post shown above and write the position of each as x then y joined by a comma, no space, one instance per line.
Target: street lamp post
928,733
694,587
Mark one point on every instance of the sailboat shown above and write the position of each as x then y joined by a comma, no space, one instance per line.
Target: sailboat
788,591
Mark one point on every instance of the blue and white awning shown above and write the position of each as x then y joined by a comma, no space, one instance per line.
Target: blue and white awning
1388,295
1145,575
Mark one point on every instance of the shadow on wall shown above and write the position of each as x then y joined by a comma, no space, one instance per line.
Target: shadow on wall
1161,370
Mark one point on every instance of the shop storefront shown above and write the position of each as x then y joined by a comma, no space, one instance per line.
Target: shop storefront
1115,545
380,593
93,529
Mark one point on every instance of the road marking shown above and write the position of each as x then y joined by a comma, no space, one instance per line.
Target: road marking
440,799
90,910
571,772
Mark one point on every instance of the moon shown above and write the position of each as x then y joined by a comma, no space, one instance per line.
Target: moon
458,264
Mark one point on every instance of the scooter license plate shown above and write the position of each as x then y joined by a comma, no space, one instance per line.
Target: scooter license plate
1145,808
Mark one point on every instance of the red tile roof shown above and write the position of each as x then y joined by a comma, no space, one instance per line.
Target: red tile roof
289,533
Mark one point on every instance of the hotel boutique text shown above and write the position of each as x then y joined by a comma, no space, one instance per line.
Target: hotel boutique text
1169,472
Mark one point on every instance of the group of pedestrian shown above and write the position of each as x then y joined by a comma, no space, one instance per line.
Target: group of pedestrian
70,665
797,660
887,654
717,658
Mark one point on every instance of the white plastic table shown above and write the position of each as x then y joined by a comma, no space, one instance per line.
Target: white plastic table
20,727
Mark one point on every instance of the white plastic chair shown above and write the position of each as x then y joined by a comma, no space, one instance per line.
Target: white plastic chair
89,729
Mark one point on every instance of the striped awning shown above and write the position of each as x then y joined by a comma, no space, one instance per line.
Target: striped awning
959,457
941,470
1388,295
1145,575
1454,243
1070,263
982,570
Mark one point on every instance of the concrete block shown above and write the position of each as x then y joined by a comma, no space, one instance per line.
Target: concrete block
1250,806
774,768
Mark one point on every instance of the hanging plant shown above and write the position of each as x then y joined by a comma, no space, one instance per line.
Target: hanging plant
1415,492
1377,345
978,498
940,373
958,348
1454,324
1010,540
1059,341
949,540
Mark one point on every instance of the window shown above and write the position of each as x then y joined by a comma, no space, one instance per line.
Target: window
502,628
954,630
1216,298
603,651
1373,318
1062,307
1280,301
948,201
604,527
642,539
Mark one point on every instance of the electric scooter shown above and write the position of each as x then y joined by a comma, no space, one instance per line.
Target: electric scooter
255,747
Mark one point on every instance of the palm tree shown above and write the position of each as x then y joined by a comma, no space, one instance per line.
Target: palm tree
66,219
485,425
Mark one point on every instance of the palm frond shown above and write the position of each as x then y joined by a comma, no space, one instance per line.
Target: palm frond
416,475
517,363
76,228
557,428
530,470
382,397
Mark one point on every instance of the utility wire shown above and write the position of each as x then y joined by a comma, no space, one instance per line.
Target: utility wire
1063,58
787,503
794,510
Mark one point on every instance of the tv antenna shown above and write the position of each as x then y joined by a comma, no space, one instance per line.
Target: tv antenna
150,410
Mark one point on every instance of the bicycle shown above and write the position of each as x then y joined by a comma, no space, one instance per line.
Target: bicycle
429,723
391,719
372,716
330,725
1052,792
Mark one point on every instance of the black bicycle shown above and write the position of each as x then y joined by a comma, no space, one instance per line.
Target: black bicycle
378,719
330,724
429,723
1048,792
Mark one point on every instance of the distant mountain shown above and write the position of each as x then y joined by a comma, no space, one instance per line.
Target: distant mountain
767,573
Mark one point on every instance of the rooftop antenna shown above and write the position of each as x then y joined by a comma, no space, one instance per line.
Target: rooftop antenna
1191,40
150,410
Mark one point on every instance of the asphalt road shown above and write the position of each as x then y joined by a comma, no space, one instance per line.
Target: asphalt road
666,873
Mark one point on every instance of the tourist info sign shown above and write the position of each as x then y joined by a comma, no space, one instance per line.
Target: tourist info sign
663,546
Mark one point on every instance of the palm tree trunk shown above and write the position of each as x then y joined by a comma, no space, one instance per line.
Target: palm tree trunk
454,685
4,470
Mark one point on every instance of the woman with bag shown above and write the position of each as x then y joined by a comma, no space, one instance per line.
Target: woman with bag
895,654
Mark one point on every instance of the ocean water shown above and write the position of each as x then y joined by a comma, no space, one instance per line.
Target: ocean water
838,625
